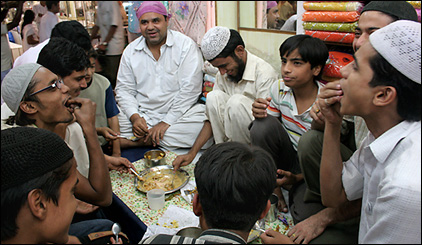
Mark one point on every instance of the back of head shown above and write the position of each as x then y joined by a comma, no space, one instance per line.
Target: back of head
398,10
398,64
31,158
63,57
220,42
234,183
51,3
311,49
73,31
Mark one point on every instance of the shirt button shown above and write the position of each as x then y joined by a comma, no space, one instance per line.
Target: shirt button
369,208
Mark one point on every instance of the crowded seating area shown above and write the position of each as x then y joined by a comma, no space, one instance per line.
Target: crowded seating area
192,122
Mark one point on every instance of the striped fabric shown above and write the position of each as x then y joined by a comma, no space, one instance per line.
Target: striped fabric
283,104
210,236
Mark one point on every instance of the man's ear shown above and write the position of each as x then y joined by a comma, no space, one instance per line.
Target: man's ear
240,51
267,208
37,204
384,95
28,107
197,207
316,70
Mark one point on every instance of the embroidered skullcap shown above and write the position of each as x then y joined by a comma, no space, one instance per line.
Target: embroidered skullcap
271,4
401,9
400,44
214,41
15,84
28,153
152,6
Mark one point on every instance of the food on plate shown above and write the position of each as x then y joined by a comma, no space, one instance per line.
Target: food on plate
161,180
160,156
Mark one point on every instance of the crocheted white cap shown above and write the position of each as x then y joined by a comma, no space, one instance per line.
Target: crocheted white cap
214,41
400,44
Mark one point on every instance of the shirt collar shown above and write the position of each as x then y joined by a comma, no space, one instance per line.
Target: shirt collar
142,44
221,236
384,145
250,67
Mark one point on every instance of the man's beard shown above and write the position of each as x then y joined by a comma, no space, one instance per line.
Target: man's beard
240,70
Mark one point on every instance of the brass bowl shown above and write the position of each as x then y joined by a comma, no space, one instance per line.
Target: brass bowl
154,158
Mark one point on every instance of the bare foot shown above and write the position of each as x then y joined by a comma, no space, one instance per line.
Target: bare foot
308,229
281,206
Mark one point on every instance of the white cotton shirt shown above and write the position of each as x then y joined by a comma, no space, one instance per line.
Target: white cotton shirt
39,9
27,31
386,173
108,14
48,21
30,55
160,90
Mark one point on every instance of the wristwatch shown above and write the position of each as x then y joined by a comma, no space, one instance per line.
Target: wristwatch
104,43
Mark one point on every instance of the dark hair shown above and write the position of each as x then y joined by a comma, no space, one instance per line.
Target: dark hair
234,41
51,3
92,54
408,91
311,49
21,118
73,31
28,17
63,57
234,183
14,198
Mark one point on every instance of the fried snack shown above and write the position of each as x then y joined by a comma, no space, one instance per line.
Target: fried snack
161,180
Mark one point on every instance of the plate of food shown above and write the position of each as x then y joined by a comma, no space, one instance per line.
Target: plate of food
161,177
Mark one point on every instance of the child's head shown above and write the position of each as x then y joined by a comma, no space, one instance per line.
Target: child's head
92,55
311,50
38,177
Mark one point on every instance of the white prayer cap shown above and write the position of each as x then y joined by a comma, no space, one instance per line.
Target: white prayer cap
214,41
400,44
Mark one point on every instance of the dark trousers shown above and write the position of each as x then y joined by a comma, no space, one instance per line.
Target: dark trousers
110,67
269,134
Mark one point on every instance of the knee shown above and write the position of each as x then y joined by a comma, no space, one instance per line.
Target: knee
310,143
260,129
214,98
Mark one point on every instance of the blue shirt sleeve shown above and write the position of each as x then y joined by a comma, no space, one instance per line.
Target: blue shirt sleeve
110,103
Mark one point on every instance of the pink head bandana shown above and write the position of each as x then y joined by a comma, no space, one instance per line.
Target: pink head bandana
271,4
152,6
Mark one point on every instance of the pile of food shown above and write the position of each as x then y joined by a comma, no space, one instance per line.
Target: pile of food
161,180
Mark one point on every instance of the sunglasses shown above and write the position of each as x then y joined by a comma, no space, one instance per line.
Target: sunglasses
57,84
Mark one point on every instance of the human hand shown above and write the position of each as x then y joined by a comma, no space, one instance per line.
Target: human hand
120,164
274,237
84,111
182,160
156,133
84,207
288,178
329,102
139,127
316,114
306,230
114,241
107,133
259,107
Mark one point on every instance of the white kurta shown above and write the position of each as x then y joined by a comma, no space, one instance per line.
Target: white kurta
386,173
48,21
108,14
229,105
27,31
164,89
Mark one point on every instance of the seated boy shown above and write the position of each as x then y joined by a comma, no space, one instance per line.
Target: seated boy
283,117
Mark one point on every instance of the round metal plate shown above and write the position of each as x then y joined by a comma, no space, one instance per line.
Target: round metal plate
159,169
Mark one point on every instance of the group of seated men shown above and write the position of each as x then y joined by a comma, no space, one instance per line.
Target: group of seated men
261,133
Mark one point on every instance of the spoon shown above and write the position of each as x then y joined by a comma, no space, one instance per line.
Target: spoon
116,230
137,175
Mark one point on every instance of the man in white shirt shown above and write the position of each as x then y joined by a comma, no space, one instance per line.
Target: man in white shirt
110,23
49,20
159,83
383,86
39,10
242,77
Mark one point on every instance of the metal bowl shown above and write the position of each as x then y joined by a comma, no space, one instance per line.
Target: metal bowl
193,232
159,170
154,158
